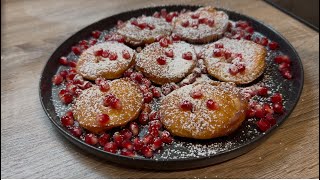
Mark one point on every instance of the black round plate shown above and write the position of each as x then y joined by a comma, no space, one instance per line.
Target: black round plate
184,153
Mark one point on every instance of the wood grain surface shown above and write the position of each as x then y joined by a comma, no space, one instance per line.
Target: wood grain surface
31,147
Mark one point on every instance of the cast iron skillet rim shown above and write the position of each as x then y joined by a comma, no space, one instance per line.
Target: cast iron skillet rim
261,136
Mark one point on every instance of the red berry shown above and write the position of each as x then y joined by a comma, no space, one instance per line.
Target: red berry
91,139
113,56
241,67
218,45
67,98
210,22
278,108
115,103
263,125
69,113
276,98
263,91
175,37
284,66
169,53
63,61
196,94
257,40
134,128
185,23
76,131
104,86
153,131
282,59
273,45
110,147
98,52
260,112
142,25
105,53
72,70
161,60
62,92
127,73
126,133
143,118
103,139
250,113
103,119
155,123
117,138
96,34
57,79
76,50
71,88
126,54
155,92
212,105
137,144
67,120
186,105
166,137
72,63
264,41
127,145
217,53
148,139
147,152
195,15
146,82
154,116
268,109
248,36
156,144
164,42
187,56
169,17
147,97
63,73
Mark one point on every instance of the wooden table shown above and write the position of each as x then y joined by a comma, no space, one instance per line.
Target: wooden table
31,147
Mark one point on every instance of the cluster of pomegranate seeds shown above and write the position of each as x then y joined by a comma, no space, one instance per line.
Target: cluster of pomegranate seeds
241,30
284,65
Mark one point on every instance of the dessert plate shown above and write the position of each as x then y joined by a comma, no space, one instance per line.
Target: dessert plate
183,153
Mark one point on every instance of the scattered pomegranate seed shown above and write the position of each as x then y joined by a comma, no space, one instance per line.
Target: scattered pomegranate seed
242,24
169,53
143,118
67,98
103,139
268,109
227,54
104,86
76,131
96,34
117,138
210,22
195,15
128,73
63,60
134,22
185,23
249,30
282,59
115,103
57,79
155,92
128,153
148,139
91,139
260,112
71,88
137,76
98,52
195,24
113,56
175,37
126,54
92,42
164,42
169,17
146,82
72,70
142,25
76,50
103,119
147,97
286,74
278,108
217,53
147,152
120,23
137,144
153,131
161,60
154,116
196,94
248,36
272,121
233,69
264,41
186,105
276,98
263,91
126,133
156,14
263,125
62,92
63,73
218,45
241,67
202,20
187,56
151,26
156,144
110,147
134,128
284,66
155,123
166,137
69,113
273,45
72,63
67,120
86,85
212,105
127,145
257,40
250,113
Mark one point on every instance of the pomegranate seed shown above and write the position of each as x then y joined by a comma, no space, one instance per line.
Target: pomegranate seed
210,22
126,54
185,23
186,105
233,69
62,92
104,86
147,152
86,85
148,139
155,123
286,74
268,109
154,116
161,60
57,79
72,70
282,59
137,144
92,42
113,56
128,73
147,97
260,112
249,30
134,128
269,118
76,50
110,147
71,88
166,137
63,73
137,76
144,89
284,67
263,91
248,36
142,25
196,94
98,52
128,153
273,45
218,45
146,82
91,139
169,53
250,113
155,92
217,53
242,24
257,40
103,119
63,60
67,120
175,37
151,26
169,17
127,145
156,144
96,34
202,20
103,139
77,92
156,14
212,105
134,22
276,98
194,24
76,131
195,15
67,98
227,54
117,138
278,108
166,89
108,99
164,42
115,103
187,56
72,63
143,118
263,125
241,67
105,54
126,133
264,41
153,131
163,13
69,113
